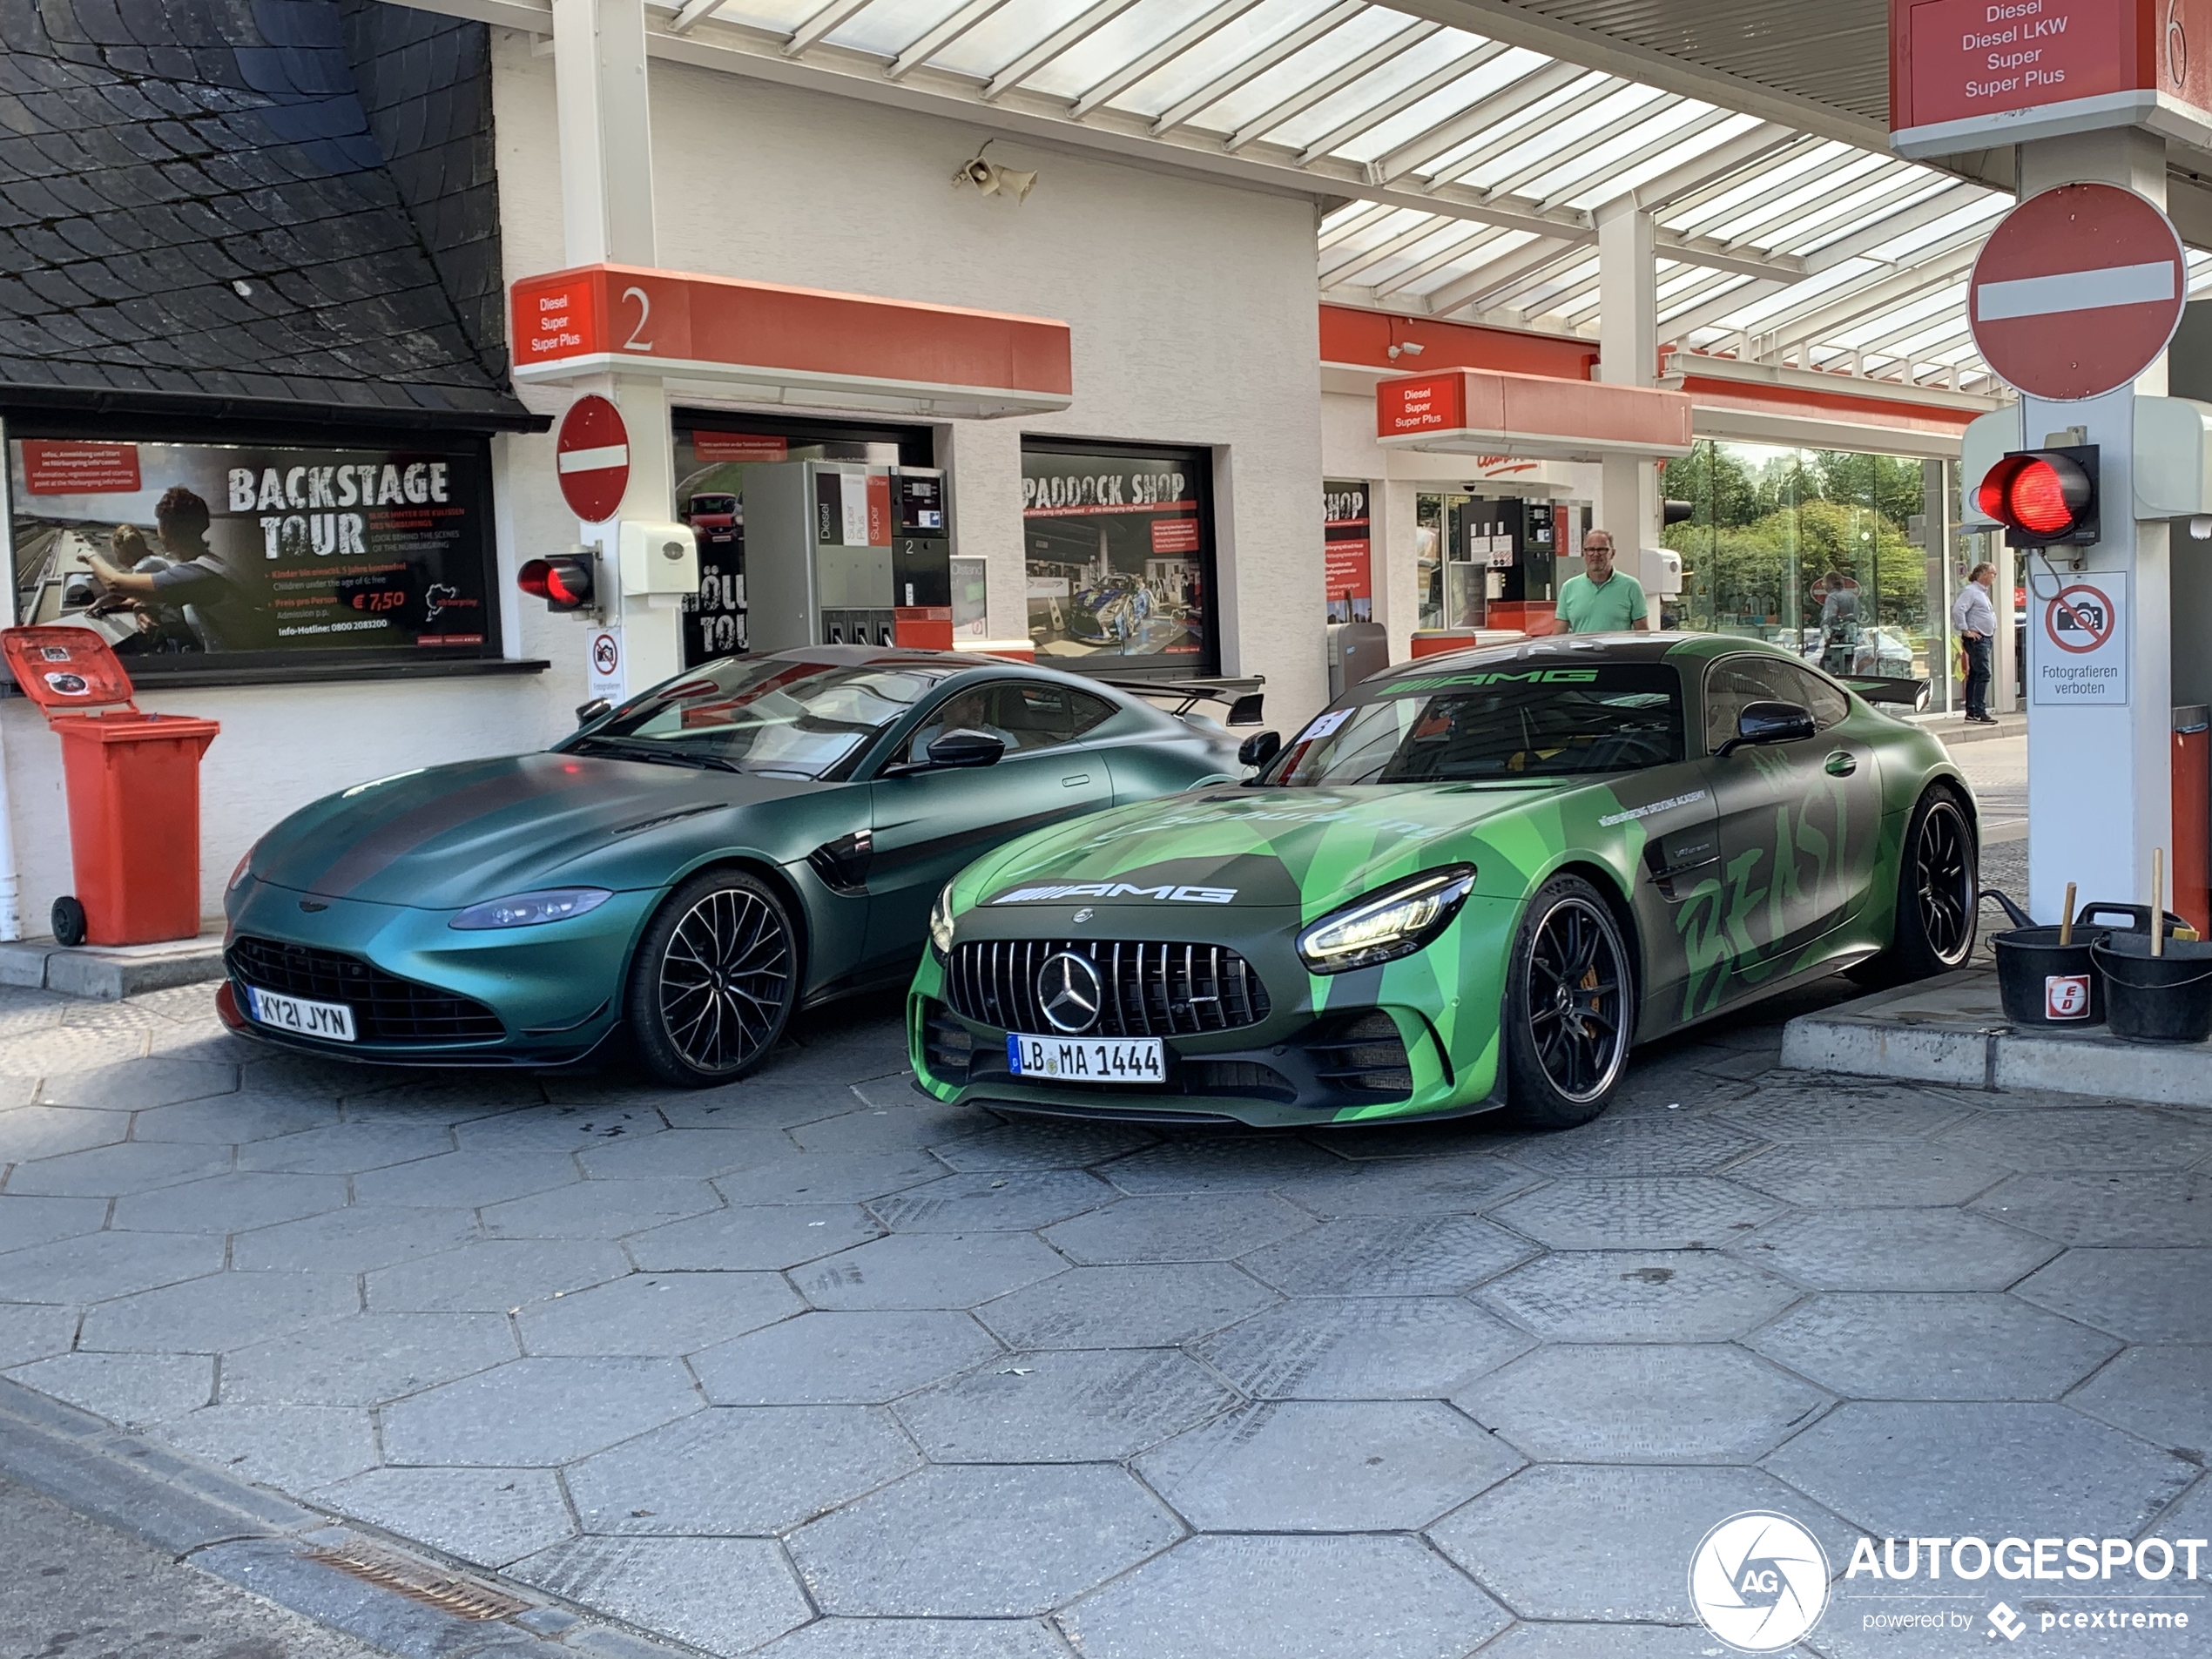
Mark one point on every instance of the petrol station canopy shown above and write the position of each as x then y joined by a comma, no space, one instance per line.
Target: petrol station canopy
1461,149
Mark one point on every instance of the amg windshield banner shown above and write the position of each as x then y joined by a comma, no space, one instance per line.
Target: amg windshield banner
190,552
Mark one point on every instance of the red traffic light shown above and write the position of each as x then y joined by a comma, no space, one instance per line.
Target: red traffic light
564,583
2043,498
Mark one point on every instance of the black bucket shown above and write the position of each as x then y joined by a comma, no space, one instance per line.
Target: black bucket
2044,983
2156,999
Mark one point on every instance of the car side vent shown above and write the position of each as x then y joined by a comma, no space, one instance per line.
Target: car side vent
1363,1054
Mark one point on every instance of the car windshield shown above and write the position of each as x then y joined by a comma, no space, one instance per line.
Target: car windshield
766,714
1503,724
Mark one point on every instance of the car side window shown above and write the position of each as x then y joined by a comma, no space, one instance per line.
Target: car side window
1733,681
1827,701
1041,716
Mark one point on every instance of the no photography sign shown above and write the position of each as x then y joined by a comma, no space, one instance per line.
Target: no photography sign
2080,648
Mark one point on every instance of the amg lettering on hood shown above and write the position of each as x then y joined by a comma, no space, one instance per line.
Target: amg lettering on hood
1170,894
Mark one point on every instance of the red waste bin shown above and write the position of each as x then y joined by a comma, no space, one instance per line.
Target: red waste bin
2193,816
133,791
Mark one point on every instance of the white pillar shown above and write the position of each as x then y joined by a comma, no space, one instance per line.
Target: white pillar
1628,275
2099,778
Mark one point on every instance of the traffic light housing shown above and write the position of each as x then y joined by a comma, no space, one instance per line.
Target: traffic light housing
1677,512
565,583
2044,498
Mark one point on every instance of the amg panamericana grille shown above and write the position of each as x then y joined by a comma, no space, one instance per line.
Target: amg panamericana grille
1151,990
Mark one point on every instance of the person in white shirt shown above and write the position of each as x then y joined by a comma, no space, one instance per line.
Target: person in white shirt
1973,618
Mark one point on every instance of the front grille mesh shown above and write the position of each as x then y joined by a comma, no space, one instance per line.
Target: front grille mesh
1152,990
387,1008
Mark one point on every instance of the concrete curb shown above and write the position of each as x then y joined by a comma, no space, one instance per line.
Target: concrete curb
260,1542
1952,1030
109,973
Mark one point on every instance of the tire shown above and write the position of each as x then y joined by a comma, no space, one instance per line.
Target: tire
1570,1008
1938,894
714,981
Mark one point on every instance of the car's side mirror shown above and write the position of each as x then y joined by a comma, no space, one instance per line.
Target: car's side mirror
587,712
965,748
1764,722
1258,748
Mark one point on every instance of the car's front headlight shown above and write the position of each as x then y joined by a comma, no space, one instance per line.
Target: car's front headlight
1397,921
531,909
940,921
238,875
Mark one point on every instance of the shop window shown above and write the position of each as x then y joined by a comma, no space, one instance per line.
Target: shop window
223,556
1120,556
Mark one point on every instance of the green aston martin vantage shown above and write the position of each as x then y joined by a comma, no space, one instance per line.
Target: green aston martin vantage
764,834
1472,883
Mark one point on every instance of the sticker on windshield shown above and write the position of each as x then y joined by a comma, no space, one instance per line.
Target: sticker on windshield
1323,724
1690,799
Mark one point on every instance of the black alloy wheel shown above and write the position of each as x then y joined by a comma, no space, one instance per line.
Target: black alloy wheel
1938,894
1570,1008
715,981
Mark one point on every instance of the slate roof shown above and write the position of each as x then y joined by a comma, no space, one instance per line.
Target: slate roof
250,205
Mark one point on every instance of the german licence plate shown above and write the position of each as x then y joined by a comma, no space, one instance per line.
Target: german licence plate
331,1020
1086,1059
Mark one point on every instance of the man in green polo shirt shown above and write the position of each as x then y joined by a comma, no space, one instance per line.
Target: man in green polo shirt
1603,600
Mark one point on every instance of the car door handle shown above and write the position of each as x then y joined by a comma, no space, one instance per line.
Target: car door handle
1075,780
1841,764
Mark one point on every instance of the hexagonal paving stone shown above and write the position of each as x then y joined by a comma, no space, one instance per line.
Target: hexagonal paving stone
977,1542
353,1240
1394,1347
136,1084
1843,1109
1641,1403
657,1313
1886,1467
2111,1136
763,1237
1443,1186
229,1204
467,1180
1639,1296
1219,1164
70,1051
2101,1207
1669,1144
579,1128
458,1096
222,1312
488,1516
2140,1295
1327,1466
28,1220
927,1270
841,1359
1895,1250
296,1448
348,1149
1922,1346
111,1171
47,1131
1041,1143
988,1201
492,1276
1177,1227
533,1413
2160,1393
813,1179
1859,1174
1389,1255
1636,1212
97,1267
1563,1641
228,1120
723,1594
1287,1598
367,1359
132,1389
731,1472
599,1209
33,1330
1149,1306
878,1116
1072,1407
919,1639
687,1153
1604,1542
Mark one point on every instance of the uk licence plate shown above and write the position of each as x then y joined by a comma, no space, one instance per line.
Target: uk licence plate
1086,1059
331,1020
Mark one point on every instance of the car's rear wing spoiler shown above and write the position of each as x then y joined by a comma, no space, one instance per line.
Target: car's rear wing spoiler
1243,696
1913,694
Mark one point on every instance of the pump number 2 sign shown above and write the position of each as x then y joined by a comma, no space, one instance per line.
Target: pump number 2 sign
2077,650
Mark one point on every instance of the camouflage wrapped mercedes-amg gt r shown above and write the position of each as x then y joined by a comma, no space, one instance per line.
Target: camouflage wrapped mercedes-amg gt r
1472,883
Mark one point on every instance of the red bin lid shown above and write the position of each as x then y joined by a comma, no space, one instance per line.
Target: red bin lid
65,669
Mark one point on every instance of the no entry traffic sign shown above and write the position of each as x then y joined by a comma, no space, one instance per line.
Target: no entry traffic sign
2077,291
2079,654
592,455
